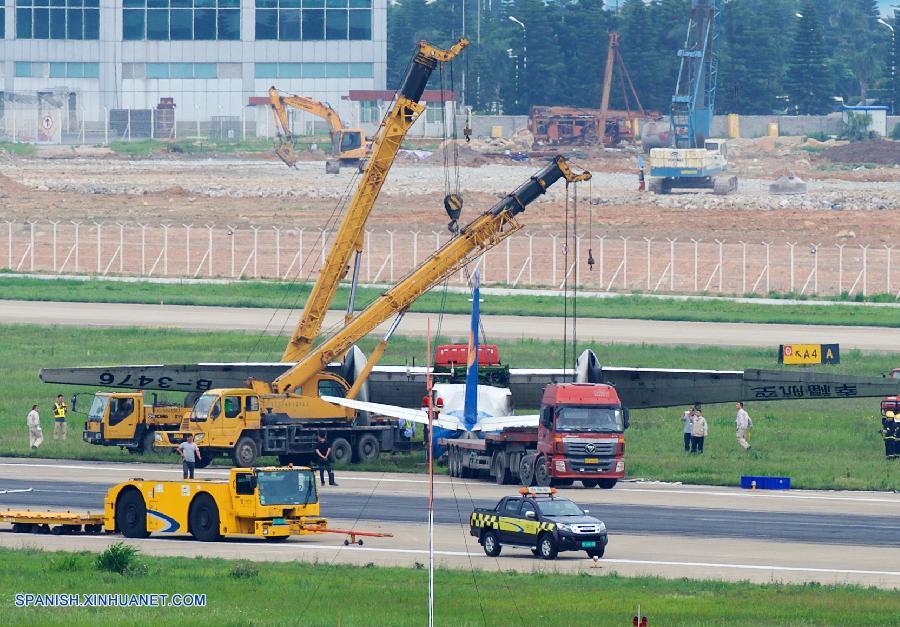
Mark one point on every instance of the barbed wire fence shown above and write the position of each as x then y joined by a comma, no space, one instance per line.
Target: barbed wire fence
646,264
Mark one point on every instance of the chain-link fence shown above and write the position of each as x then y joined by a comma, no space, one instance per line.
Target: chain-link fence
603,263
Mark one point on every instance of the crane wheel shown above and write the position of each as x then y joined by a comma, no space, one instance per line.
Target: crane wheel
367,448
131,514
341,451
203,518
244,453
333,166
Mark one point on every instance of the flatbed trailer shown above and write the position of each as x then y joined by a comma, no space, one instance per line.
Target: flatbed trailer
271,503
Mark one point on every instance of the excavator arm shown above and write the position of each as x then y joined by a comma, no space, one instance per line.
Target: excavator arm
403,113
480,235
285,148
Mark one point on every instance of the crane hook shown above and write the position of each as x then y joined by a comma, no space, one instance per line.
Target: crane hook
590,259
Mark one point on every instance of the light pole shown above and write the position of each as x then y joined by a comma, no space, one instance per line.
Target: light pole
883,22
524,42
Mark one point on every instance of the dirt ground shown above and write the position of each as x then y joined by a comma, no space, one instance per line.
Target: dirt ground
846,202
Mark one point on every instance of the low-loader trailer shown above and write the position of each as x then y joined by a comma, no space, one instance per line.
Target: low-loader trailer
271,503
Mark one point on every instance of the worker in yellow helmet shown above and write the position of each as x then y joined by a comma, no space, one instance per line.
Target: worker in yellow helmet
59,418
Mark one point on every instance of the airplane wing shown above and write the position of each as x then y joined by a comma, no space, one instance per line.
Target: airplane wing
497,423
444,421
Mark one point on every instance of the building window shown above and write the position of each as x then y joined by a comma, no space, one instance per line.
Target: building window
311,20
24,70
74,70
434,112
180,20
313,70
58,19
2,30
369,112
180,70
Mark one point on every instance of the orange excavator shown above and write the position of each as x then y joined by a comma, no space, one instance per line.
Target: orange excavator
348,145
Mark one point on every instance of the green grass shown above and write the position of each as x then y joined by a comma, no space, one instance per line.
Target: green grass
326,594
277,294
18,149
819,444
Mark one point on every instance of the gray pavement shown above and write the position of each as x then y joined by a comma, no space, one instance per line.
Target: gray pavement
667,530
496,327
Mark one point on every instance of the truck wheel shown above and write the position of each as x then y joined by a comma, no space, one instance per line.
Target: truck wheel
276,539
333,166
131,514
542,476
244,452
203,518
526,471
501,472
204,461
341,451
608,484
589,483
367,448
598,553
453,462
547,547
491,543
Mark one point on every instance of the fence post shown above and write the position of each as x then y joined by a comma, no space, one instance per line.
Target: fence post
368,256
99,226
31,246
744,268
187,249
121,247
9,242
721,264
57,222
165,249
231,233
649,241
209,233
602,240
865,269
553,246
696,264
624,263
840,248
815,252
143,246
415,247
507,260
672,264
890,250
768,266
791,246
277,245
530,259
77,227
391,253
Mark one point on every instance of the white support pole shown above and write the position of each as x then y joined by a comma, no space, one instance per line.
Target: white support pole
165,249
9,243
815,249
721,265
209,233
415,248
743,268
649,241
99,226
890,251
696,265
840,289
865,269
600,257
31,245
530,258
277,246
143,247
577,258
672,264
121,247
624,262
791,246
255,251
507,259
232,232
391,253
77,229
368,256
55,224
554,237
187,249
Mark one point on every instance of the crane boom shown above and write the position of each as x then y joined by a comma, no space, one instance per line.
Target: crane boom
483,233
695,92
403,113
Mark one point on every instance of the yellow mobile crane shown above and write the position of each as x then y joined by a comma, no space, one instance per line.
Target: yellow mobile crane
403,113
348,145
281,417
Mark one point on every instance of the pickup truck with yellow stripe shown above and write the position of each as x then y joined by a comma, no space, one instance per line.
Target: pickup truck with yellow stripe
538,520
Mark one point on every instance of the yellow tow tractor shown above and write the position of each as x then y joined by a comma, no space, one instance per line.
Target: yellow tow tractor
272,503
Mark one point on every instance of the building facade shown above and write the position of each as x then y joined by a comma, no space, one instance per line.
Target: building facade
70,62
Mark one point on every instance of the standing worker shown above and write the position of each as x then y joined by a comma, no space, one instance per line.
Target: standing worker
190,453
687,418
889,434
699,430
35,434
743,423
641,183
323,456
59,418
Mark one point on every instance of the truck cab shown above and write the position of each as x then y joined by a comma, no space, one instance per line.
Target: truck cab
124,419
581,430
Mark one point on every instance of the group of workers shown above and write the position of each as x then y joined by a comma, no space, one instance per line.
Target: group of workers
890,431
696,428
33,421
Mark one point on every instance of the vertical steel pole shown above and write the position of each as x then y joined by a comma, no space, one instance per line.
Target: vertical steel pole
143,246
840,248
54,247
209,248
890,251
649,243
507,260
31,246
672,264
553,242
166,249
624,263
696,264
187,249
121,248
530,259
77,227
744,268
865,269
255,251
277,250
99,243
231,233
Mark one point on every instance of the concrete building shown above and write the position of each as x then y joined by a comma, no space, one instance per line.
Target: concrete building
70,62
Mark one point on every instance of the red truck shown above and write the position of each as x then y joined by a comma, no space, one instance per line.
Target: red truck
891,403
580,436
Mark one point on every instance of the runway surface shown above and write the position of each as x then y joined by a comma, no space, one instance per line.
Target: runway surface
497,327
663,529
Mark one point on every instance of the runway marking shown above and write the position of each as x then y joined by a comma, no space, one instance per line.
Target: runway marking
340,547
685,492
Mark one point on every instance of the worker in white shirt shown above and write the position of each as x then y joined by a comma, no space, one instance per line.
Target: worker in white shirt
35,434
688,419
699,431
743,423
